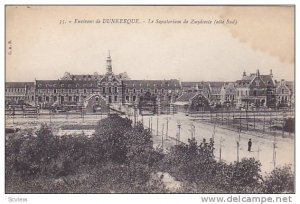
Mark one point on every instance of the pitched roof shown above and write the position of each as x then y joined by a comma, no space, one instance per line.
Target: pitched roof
216,83
81,77
192,85
65,84
268,79
167,84
185,97
19,84
290,85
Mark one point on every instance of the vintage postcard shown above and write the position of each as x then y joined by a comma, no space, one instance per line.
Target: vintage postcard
150,99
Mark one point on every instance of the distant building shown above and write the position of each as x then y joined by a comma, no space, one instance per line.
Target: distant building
19,92
191,101
94,90
215,92
256,90
228,94
63,92
284,94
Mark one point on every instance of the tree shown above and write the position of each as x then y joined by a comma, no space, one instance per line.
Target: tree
280,180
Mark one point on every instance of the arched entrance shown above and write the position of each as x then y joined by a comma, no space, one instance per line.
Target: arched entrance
95,103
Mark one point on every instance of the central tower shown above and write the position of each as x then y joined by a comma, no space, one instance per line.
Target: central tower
108,63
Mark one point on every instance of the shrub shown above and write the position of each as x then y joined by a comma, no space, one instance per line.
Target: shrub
280,180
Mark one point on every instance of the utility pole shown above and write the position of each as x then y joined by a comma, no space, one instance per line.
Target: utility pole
254,119
238,146
178,136
258,151
157,127
274,151
237,151
192,131
162,137
151,124
213,136
247,113
274,154
283,123
82,113
222,114
221,144
13,114
264,123
167,131
50,114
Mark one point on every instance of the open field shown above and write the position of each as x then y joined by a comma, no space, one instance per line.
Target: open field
226,140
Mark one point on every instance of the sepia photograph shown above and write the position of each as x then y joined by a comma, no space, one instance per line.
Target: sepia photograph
150,99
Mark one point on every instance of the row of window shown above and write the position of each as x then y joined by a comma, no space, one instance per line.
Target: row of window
142,90
61,98
127,98
72,98
242,93
65,85
161,85
15,90
110,89
65,90
22,97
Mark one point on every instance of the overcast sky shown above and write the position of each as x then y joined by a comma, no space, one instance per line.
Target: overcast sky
263,38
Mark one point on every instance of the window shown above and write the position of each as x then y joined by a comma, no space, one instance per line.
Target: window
55,98
109,89
116,98
54,90
142,90
127,90
257,83
47,98
127,98
133,90
84,90
32,98
103,89
97,99
282,91
70,98
155,90
116,89
254,93
162,90
133,98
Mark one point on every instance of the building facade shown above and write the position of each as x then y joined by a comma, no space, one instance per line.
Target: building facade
256,90
116,89
19,92
284,94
